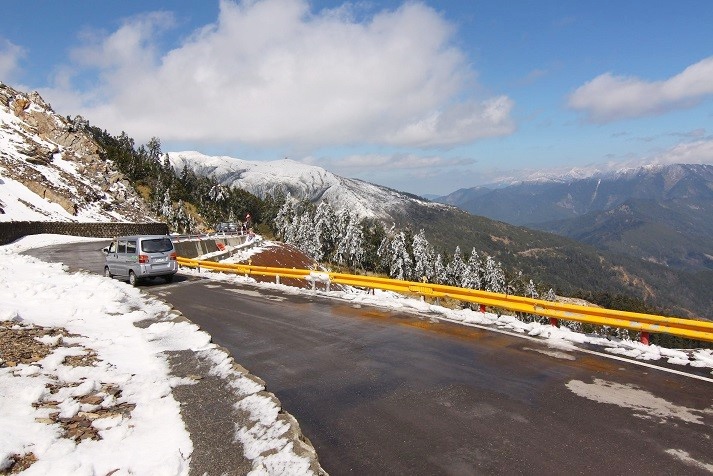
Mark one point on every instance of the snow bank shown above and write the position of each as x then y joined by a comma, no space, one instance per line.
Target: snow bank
93,395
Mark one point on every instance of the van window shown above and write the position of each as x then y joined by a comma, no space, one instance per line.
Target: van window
112,247
122,246
156,245
131,247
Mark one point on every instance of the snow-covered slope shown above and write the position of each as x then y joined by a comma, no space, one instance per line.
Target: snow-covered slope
301,181
51,168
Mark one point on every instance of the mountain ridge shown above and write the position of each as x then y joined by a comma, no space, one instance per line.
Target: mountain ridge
659,213
302,181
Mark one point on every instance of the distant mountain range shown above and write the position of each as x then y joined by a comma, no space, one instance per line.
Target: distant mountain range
662,214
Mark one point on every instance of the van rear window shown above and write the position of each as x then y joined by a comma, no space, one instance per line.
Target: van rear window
156,245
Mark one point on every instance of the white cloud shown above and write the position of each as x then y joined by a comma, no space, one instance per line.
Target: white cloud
608,98
383,162
10,55
696,152
274,73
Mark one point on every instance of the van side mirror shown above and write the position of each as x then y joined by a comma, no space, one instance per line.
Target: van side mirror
106,250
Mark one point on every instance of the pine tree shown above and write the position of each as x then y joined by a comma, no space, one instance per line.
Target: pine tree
384,253
440,274
456,268
531,290
181,221
167,206
401,263
305,237
325,224
494,278
373,233
473,276
423,257
285,217
351,247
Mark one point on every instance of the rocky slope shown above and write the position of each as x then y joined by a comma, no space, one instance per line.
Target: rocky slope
52,170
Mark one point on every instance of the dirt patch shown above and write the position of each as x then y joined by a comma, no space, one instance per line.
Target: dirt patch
282,255
19,344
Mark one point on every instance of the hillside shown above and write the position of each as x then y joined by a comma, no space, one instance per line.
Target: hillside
672,233
562,263
51,169
301,181
662,214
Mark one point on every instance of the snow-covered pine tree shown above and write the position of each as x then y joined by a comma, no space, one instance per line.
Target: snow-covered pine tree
384,253
352,244
401,263
551,296
440,274
167,206
456,268
494,278
325,224
531,290
216,193
181,221
305,237
423,257
473,275
285,217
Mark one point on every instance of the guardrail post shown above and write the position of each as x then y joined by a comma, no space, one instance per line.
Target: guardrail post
554,322
277,279
644,338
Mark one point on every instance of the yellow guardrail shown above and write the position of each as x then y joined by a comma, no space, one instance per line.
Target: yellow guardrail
646,323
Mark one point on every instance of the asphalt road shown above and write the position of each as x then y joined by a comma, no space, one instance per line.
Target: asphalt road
381,392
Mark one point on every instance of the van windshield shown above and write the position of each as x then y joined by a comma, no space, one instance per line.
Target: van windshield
156,245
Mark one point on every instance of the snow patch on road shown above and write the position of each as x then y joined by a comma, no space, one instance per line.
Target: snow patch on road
644,404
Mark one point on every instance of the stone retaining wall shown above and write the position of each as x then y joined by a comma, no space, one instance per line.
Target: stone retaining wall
13,230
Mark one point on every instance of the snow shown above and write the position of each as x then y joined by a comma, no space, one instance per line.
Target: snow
99,320
152,438
18,141
302,181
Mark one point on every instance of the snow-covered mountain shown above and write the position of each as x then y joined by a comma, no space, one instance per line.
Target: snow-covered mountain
301,181
51,169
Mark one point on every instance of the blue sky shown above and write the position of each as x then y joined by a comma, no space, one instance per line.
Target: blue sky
426,97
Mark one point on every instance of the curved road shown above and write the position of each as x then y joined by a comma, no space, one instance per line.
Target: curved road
381,392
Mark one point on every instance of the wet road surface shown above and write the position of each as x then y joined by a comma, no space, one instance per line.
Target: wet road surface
382,392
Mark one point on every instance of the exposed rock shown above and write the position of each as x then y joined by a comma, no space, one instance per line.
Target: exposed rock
20,105
44,144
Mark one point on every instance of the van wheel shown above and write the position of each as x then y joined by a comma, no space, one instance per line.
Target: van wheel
107,273
133,280
168,278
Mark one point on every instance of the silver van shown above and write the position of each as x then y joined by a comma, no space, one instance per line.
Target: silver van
138,257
